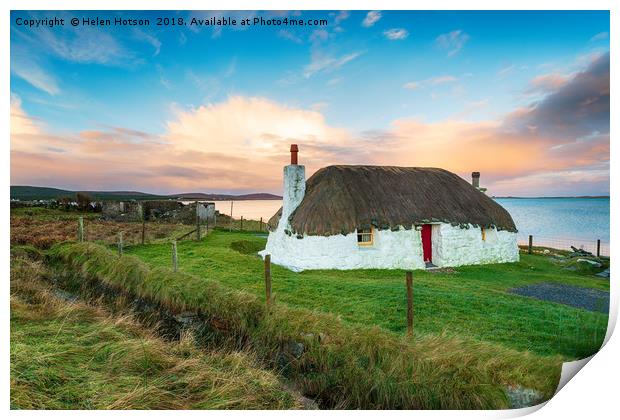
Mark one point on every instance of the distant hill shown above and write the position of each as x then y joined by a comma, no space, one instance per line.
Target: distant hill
24,192
222,197
575,196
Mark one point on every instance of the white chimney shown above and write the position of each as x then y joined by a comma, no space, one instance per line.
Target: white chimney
294,185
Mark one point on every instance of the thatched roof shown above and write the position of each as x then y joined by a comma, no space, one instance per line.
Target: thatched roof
341,198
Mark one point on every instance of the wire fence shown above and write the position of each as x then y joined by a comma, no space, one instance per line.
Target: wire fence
596,246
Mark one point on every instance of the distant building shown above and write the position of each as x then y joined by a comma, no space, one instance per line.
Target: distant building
348,217
169,210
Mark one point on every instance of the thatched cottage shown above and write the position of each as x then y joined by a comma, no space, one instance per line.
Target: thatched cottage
347,217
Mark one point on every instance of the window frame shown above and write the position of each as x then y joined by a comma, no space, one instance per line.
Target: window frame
370,232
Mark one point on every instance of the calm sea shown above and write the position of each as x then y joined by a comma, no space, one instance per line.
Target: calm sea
577,221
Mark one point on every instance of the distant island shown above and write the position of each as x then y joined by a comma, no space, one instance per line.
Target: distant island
574,196
26,192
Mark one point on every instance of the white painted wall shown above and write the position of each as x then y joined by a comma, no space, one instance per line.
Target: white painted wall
452,246
399,249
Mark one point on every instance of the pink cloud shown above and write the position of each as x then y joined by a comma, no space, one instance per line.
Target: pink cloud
241,144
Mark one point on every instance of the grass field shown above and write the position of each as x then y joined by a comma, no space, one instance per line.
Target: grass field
78,356
44,227
472,338
468,301
337,363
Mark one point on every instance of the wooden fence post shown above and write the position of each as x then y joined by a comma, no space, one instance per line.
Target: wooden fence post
529,247
197,223
120,244
231,215
143,229
241,228
174,256
81,229
409,303
268,278
261,224
598,247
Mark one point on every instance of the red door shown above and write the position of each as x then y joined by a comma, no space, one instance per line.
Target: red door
426,243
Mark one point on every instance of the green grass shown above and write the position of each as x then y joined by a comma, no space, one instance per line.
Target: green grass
44,213
77,356
342,364
471,302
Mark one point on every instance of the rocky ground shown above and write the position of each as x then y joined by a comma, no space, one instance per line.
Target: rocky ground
578,297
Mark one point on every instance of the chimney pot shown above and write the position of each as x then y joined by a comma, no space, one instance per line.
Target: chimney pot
475,179
294,150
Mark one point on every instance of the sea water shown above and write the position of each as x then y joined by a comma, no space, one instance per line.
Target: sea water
577,221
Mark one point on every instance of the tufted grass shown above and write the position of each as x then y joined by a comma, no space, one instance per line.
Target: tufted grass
70,355
343,364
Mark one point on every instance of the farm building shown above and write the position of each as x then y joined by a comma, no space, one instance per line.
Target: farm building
348,217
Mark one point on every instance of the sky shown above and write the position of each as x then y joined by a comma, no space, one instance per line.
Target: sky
522,97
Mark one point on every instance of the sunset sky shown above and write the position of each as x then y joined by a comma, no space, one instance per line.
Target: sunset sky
522,97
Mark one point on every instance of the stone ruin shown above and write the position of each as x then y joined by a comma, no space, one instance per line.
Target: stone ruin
159,210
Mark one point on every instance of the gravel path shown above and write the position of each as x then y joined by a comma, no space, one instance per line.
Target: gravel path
578,297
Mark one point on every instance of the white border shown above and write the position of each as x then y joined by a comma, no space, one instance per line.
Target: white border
593,393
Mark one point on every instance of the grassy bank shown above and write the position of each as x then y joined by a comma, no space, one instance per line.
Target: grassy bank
468,301
70,355
340,364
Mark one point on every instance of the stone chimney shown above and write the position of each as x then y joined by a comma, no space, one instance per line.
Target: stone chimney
475,179
294,185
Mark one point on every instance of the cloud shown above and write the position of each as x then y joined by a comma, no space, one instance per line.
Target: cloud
396,34
150,39
452,41
506,70
319,106
578,107
600,36
319,35
433,81
411,85
162,78
322,63
198,150
32,73
286,34
342,15
21,123
557,145
547,82
84,46
371,18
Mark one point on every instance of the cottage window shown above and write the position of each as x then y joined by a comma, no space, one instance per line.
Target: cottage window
484,234
365,237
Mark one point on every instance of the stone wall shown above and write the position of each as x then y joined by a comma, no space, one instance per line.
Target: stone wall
127,211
